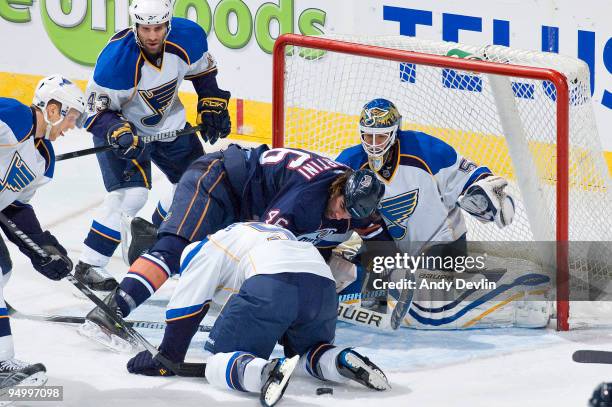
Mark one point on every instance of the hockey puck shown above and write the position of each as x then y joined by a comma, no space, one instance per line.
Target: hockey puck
324,390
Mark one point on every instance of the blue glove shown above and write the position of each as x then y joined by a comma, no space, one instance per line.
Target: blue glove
143,363
55,267
128,145
214,117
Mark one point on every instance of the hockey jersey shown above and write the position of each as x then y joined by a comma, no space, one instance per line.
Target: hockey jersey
290,188
423,180
126,82
25,163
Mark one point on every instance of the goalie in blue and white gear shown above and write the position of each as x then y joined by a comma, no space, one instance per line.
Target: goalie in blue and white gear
27,162
133,92
427,184
427,181
273,289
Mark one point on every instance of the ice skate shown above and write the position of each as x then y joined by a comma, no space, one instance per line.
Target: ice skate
276,375
102,329
95,278
14,372
359,368
137,236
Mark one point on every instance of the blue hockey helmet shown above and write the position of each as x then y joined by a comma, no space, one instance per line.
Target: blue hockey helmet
362,193
378,125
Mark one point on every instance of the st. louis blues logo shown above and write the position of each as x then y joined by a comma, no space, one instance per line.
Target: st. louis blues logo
17,176
397,210
372,116
159,100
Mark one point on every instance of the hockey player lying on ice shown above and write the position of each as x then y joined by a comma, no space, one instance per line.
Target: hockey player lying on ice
275,289
317,199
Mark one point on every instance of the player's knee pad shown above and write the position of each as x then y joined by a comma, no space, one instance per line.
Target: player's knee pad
133,200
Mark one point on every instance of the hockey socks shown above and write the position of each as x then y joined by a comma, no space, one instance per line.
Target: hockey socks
150,271
181,326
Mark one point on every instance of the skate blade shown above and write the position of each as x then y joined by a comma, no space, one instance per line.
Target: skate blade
36,380
111,341
376,379
275,390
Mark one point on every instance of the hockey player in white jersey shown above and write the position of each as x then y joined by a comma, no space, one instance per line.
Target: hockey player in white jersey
427,183
134,92
27,162
274,289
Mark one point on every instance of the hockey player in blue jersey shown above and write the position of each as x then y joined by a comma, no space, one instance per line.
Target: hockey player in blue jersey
273,289
317,199
27,162
134,92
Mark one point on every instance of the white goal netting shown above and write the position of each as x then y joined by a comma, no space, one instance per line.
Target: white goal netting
506,122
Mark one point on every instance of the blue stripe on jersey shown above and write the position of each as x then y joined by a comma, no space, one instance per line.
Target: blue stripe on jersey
434,152
353,157
3,312
106,230
192,253
116,67
45,149
179,313
17,116
476,175
189,37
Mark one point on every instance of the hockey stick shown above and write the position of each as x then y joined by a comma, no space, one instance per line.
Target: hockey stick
593,356
67,319
180,369
145,139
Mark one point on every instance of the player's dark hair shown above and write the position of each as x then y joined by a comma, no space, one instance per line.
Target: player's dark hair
337,187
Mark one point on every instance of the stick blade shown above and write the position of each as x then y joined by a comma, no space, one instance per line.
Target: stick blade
592,356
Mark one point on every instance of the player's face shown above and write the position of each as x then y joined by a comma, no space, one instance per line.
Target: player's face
377,141
336,209
152,37
69,122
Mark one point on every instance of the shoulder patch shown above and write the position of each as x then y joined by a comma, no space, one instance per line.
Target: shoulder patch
422,148
117,65
18,117
353,157
187,40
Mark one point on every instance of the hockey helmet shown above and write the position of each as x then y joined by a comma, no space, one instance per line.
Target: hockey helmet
378,125
602,396
362,193
150,12
67,94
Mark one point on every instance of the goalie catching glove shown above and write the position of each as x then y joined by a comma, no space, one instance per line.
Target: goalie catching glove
213,117
487,201
122,136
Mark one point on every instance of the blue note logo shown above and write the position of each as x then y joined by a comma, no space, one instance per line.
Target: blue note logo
397,210
159,100
17,176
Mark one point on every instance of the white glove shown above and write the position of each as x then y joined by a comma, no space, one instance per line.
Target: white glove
487,201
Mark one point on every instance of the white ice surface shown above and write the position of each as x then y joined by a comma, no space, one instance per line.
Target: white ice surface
497,367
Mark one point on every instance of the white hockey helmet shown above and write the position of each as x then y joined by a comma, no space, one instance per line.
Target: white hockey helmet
67,94
378,126
150,12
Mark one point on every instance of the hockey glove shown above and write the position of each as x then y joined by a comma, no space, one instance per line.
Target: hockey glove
144,364
122,136
55,267
487,201
214,117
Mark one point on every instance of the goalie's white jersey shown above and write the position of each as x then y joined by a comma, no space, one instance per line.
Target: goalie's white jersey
125,81
216,267
423,180
25,163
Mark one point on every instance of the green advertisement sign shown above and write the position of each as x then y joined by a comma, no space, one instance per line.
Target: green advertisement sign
79,29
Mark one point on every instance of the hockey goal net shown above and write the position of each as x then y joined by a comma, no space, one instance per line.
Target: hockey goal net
527,115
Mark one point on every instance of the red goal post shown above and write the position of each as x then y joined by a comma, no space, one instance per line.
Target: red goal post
562,119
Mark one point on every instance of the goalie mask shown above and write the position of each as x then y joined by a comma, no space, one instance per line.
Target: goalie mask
380,120
362,193
150,12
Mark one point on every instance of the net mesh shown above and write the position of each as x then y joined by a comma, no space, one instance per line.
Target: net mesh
506,123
